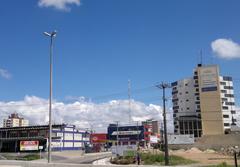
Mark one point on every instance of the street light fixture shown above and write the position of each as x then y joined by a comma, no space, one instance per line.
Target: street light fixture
51,35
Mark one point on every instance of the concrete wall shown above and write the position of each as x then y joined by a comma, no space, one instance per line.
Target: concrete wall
180,139
210,97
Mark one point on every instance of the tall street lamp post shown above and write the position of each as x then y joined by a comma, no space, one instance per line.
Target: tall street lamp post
51,35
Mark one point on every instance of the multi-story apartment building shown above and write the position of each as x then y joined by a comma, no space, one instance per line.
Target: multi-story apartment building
203,104
15,121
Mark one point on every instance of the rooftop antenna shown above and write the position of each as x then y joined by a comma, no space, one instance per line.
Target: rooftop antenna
201,56
129,100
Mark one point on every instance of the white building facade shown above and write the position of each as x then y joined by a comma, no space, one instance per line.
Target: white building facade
15,121
189,96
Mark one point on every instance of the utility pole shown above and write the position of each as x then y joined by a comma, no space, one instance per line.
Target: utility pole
129,100
138,144
51,35
163,86
117,140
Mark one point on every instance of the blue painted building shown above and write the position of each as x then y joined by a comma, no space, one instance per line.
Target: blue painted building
67,137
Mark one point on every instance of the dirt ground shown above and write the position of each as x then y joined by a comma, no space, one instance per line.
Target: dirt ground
208,157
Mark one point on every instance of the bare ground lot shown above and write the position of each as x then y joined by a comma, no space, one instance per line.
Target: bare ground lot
204,157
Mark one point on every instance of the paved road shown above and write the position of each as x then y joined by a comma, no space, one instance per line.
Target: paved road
83,159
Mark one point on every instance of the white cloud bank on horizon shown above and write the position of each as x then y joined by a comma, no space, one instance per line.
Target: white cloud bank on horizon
226,48
5,74
83,114
62,5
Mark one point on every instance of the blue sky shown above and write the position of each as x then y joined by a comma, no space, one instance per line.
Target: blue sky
102,44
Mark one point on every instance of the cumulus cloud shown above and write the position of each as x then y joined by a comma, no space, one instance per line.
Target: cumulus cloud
58,4
226,48
5,74
83,114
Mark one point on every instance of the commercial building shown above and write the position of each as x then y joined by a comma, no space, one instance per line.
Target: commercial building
34,138
125,134
15,121
98,141
203,104
151,128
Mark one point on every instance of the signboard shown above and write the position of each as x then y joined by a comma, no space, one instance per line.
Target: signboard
29,145
98,137
154,139
208,78
124,150
126,132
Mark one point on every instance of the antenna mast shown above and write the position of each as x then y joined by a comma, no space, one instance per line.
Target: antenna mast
129,100
201,57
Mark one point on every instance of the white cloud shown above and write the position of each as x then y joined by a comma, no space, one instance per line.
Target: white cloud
58,4
226,48
81,113
5,74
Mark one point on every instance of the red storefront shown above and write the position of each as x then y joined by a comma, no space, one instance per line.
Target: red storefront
98,141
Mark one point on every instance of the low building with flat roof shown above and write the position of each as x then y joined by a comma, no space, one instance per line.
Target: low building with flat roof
34,138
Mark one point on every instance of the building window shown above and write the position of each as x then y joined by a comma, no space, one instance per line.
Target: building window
228,87
174,100
197,102
225,116
175,111
187,100
225,107
195,77
223,91
174,83
196,94
225,78
186,92
229,95
198,110
224,99
226,124
186,84
222,83
230,103
174,92
175,107
187,108
233,112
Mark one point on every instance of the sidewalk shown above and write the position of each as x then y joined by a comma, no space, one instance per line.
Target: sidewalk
104,161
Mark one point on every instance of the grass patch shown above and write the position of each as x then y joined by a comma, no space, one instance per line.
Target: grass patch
152,159
28,157
158,159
